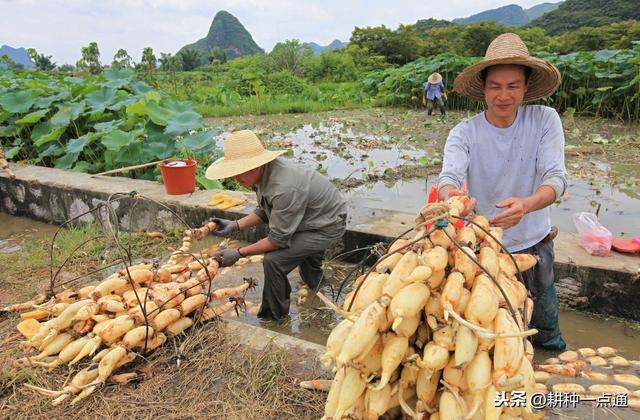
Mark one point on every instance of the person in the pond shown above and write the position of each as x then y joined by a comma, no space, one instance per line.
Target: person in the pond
434,91
512,157
304,211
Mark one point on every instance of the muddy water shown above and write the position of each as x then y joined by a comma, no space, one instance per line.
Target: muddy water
14,231
336,149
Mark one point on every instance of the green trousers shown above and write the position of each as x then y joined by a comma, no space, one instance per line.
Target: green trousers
306,252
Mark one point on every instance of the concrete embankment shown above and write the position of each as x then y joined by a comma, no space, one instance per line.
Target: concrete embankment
608,285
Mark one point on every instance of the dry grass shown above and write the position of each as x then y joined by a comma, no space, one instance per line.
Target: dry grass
217,378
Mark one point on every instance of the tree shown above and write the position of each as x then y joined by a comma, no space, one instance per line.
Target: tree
7,62
122,60
66,68
90,60
476,37
42,62
398,47
169,62
218,56
191,59
289,56
148,58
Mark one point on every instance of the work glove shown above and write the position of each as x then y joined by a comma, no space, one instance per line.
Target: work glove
227,257
225,227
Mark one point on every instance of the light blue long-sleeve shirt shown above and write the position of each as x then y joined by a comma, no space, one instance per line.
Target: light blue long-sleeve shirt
508,162
432,91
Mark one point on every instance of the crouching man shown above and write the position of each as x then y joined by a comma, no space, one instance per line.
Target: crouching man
304,211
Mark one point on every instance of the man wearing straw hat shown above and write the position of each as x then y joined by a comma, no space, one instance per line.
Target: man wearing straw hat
434,91
512,157
304,211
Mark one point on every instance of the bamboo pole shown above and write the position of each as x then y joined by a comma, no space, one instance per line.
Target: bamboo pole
128,168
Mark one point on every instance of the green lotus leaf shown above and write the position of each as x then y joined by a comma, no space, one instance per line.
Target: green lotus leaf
140,88
153,96
10,130
17,102
4,115
66,161
46,101
77,145
68,112
182,122
81,166
158,114
107,126
178,106
13,152
119,74
124,102
100,99
158,150
200,142
139,107
209,184
45,132
130,155
116,140
53,149
33,117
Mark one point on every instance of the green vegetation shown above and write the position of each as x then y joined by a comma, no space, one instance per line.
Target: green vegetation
574,14
95,123
605,83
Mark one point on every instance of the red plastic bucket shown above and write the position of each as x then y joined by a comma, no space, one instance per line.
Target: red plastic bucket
179,176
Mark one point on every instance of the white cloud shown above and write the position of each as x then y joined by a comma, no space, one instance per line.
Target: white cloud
61,27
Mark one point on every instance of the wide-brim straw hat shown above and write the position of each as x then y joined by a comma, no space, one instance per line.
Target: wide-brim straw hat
243,152
509,49
434,78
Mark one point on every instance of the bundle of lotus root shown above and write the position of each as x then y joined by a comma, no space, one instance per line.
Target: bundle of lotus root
437,327
130,313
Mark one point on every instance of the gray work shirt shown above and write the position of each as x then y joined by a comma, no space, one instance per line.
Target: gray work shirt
293,198
509,162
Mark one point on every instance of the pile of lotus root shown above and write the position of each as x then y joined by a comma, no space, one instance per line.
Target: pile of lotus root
436,328
130,313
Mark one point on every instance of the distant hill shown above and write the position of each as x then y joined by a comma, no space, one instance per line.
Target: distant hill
540,9
573,14
228,34
511,14
17,55
336,44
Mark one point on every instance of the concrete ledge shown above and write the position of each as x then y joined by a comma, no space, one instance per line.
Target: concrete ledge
307,354
609,285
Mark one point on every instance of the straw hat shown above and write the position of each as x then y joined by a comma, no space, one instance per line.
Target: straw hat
434,78
509,49
243,152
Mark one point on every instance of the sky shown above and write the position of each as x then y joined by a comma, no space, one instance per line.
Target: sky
61,27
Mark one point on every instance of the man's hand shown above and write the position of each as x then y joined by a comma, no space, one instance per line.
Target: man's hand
444,95
516,208
227,257
424,101
225,227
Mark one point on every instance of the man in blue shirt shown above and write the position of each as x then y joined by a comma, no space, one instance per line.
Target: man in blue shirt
434,91
512,157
